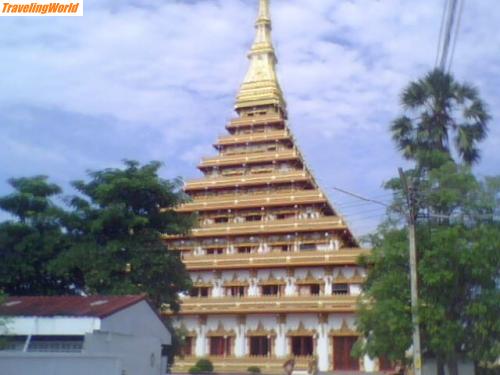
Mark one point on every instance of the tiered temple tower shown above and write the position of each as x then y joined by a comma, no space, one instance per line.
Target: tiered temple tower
273,264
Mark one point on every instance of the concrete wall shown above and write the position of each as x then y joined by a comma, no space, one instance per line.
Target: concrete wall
138,355
104,353
58,364
138,320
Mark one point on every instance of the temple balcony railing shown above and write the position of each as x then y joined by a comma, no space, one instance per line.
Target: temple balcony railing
274,259
250,158
325,223
253,200
253,121
247,180
268,304
275,135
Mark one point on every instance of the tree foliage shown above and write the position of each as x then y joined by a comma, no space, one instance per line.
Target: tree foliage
458,235
115,229
441,115
106,241
32,239
458,271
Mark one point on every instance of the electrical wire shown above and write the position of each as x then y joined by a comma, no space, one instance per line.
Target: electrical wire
441,28
456,32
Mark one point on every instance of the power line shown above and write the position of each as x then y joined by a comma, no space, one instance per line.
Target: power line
457,29
357,213
366,218
361,197
448,33
352,205
443,16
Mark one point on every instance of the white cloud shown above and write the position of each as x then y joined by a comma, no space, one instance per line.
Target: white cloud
161,77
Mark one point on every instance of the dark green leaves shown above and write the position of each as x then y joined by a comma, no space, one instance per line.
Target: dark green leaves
107,242
439,109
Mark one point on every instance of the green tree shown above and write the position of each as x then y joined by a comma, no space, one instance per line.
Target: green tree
31,239
115,231
458,271
440,113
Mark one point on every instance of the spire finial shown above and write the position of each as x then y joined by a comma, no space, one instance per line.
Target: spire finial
260,86
264,11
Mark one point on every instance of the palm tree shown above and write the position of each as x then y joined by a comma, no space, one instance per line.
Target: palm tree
440,112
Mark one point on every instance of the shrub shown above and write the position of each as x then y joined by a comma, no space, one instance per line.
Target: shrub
254,370
204,365
194,370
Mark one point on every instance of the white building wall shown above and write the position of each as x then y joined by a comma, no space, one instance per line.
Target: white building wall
271,321
281,327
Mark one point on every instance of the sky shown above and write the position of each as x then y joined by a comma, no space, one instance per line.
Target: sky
156,80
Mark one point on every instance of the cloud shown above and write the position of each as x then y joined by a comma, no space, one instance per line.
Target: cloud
156,80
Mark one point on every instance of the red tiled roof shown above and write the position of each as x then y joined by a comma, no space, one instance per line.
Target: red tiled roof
94,306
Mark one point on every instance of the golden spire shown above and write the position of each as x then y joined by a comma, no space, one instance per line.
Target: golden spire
260,86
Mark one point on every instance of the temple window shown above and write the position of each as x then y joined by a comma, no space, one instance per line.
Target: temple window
260,346
221,220
220,346
302,345
285,215
308,247
253,218
342,357
244,250
285,248
309,290
270,290
235,291
201,291
340,289
215,251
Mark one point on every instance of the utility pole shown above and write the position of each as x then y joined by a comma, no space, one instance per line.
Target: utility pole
412,217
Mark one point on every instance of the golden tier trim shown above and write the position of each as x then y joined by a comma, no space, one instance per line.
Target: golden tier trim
254,121
262,179
278,135
269,304
273,260
328,223
261,157
256,200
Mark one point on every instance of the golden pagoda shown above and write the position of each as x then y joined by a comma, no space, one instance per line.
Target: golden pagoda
273,264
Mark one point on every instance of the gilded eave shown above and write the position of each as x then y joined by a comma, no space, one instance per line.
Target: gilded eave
348,257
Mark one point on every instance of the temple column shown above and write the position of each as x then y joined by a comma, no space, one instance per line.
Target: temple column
328,285
240,347
322,343
201,338
280,343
